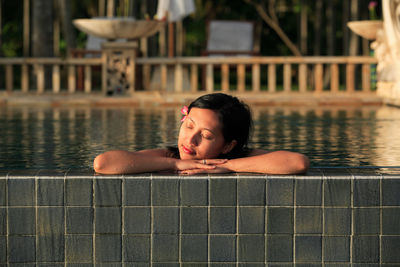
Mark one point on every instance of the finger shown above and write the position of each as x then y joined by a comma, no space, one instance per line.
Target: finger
205,166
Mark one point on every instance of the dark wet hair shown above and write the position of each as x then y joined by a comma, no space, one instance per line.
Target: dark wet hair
235,117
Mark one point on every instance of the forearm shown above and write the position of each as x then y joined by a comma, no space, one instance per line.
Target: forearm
122,162
278,162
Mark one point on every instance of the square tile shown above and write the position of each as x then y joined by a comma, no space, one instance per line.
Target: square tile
308,249
303,189
21,249
50,221
137,220
251,220
223,192
3,220
251,192
165,192
308,220
194,220
194,248
280,192
279,248
251,248
366,221
108,220
366,193
79,192
2,192
337,221
222,220
337,192
50,248
78,248
390,249
108,248
50,192
366,249
21,221
165,248
391,221
3,251
165,220
336,249
280,220
108,192
222,248
137,192
390,192
79,220
194,192
136,248
21,192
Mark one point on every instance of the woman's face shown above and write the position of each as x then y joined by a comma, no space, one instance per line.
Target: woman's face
200,136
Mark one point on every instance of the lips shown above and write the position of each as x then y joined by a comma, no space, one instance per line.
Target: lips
187,150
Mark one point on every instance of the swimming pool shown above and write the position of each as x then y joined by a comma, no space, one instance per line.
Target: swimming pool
65,138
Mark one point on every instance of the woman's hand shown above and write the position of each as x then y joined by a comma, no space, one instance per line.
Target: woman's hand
219,168
183,166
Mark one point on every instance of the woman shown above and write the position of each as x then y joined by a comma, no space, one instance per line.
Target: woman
212,139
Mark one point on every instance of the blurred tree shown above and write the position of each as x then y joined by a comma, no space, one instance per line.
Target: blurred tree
66,21
42,28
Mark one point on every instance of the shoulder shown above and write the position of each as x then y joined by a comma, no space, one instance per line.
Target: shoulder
158,152
255,152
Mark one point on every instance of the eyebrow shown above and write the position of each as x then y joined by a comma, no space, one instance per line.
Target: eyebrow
204,128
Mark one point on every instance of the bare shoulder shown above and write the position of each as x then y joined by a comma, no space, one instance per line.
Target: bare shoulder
256,152
158,152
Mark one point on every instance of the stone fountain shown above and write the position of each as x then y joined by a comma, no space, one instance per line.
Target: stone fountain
118,71
386,45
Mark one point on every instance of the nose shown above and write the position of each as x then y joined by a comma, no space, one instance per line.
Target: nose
194,138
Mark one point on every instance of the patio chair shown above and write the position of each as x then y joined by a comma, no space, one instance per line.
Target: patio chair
231,38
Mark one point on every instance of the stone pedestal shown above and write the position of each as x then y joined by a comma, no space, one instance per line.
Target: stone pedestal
118,74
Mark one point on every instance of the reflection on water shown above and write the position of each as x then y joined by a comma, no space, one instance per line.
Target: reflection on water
60,138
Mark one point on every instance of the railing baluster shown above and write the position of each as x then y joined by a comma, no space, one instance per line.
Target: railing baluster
225,77
178,78
40,78
71,79
302,78
350,78
366,77
194,69
56,79
164,77
334,78
319,82
241,77
255,70
9,78
88,79
25,78
271,78
287,77
210,78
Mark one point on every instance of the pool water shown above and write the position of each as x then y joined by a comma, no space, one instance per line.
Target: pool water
65,138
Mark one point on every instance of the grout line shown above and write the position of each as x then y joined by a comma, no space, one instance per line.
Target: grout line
294,220
380,218
237,222
323,222
352,219
122,221
151,220
208,222
94,221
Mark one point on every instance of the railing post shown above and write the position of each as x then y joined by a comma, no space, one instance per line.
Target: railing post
88,79
271,78
319,83
350,77
194,69
255,77
209,78
164,77
9,78
302,78
334,78
131,74
287,77
56,79
225,77
366,78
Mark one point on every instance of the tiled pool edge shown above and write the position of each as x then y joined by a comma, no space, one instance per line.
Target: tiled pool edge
332,217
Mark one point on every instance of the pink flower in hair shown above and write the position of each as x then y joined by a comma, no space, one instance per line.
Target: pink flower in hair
184,111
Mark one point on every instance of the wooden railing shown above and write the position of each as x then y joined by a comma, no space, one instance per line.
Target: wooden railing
256,74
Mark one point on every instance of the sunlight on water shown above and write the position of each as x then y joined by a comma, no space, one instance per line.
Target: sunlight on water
60,138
